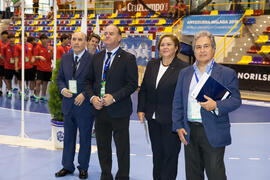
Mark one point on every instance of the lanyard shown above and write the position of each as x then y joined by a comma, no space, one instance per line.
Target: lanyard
107,65
26,49
12,49
211,67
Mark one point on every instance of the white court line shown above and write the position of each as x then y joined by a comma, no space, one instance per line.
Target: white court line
251,123
24,111
16,141
149,155
256,103
234,158
254,159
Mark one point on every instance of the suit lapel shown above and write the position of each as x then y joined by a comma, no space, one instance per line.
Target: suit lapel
69,66
154,73
216,72
99,66
83,61
116,60
169,72
186,83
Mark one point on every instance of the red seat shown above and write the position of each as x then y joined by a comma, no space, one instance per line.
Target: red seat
267,30
205,12
141,22
144,14
160,29
266,61
253,49
257,12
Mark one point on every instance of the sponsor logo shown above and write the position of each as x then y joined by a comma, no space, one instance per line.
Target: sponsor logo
139,7
60,136
254,76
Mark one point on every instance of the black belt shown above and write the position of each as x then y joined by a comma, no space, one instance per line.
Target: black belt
195,123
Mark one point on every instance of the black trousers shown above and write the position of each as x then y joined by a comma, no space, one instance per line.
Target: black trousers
118,128
200,155
165,147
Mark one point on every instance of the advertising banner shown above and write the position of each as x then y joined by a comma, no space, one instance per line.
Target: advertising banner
218,25
252,77
132,7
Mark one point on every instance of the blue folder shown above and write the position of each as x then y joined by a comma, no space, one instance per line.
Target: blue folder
211,88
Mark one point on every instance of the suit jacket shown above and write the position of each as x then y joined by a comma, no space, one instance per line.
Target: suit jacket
217,127
159,100
65,74
121,82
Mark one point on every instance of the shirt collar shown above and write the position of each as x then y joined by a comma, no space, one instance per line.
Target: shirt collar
79,55
113,51
208,68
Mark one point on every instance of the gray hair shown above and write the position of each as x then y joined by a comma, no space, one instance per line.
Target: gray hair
85,36
204,34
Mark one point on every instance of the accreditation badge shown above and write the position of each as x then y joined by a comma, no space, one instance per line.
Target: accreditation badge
72,86
12,60
102,90
26,59
195,110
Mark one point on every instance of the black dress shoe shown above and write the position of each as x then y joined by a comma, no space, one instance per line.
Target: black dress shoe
83,174
62,172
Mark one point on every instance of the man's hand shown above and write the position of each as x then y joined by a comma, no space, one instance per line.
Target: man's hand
107,99
67,93
141,116
181,132
209,105
97,103
79,99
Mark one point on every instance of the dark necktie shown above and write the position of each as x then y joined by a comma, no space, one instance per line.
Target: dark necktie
75,64
107,65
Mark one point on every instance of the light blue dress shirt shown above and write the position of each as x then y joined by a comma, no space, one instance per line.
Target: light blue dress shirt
193,84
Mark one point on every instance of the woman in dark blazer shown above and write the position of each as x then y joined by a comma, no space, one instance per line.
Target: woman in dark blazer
155,104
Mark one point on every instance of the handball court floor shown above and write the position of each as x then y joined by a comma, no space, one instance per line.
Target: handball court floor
248,157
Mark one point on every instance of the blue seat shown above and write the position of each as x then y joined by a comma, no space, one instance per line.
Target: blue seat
222,12
148,22
146,28
132,28
250,21
123,22
93,22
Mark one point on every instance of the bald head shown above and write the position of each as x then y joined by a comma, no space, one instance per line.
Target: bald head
78,42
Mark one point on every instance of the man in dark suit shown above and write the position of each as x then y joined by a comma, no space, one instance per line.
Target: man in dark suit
112,78
77,111
204,127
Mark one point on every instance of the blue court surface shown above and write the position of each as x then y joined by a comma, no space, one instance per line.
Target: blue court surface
248,157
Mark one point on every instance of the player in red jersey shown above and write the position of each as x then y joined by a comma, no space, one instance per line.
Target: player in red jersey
43,57
9,56
33,41
63,48
3,42
28,66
